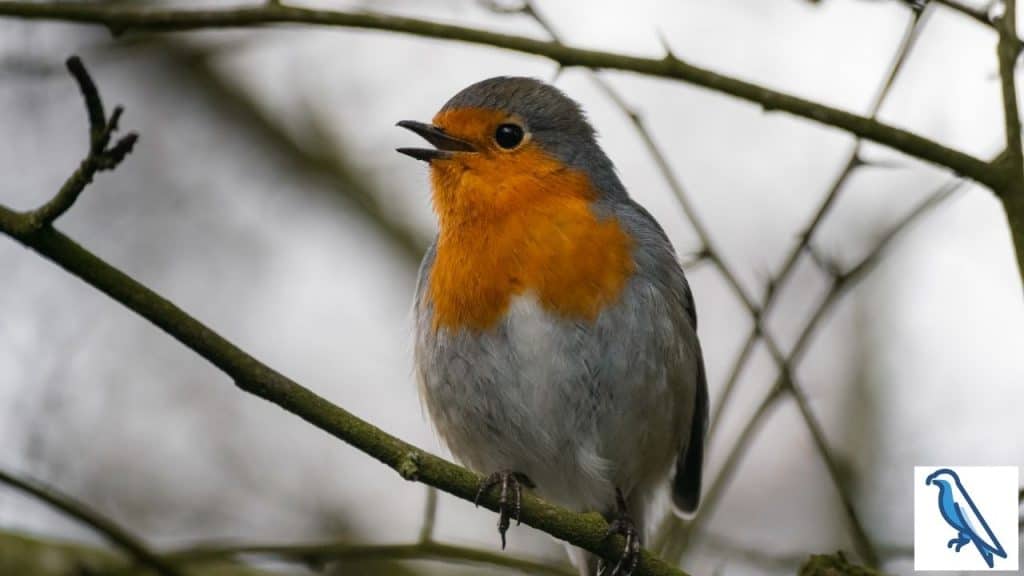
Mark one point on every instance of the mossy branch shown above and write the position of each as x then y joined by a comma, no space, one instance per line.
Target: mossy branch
106,527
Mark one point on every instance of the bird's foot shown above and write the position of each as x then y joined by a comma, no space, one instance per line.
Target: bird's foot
624,526
510,482
960,541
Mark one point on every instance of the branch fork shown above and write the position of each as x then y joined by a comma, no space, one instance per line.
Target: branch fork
102,156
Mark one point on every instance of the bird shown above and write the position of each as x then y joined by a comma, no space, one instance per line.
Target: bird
556,342
959,511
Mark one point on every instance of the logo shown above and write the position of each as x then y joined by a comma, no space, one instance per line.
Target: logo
965,518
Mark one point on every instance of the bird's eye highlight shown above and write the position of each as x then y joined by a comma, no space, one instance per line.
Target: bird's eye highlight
508,136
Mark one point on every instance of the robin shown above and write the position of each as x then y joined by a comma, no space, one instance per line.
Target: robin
556,336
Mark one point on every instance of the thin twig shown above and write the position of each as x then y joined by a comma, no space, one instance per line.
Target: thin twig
841,284
429,516
104,526
588,531
120,18
853,161
101,155
910,36
320,554
1008,52
976,14
323,156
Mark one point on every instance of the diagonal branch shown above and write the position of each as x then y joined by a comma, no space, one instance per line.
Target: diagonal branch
1009,51
1010,164
106,527
120,18
842,283
976,14
853,162
588,531
322,156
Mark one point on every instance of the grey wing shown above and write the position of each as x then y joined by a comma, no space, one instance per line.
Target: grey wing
421,280
686,484
651,225
421,313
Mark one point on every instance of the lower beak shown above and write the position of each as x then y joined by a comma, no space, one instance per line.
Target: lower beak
444,145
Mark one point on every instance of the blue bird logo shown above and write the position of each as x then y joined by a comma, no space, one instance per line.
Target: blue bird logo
958,510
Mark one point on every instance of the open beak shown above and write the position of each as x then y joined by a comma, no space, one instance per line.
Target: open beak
444,145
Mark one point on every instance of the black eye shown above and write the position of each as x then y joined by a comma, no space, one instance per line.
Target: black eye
508,136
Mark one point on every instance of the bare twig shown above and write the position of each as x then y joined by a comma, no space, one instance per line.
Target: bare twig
121,18
842,283
1008,52
588,531
101,156
976,14
913,31
917,19
429,516
320,554
323,156
104,526
1009,166
853,162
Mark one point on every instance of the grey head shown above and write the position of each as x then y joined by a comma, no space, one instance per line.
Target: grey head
554,121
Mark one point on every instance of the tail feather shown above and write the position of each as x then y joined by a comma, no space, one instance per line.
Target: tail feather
686,486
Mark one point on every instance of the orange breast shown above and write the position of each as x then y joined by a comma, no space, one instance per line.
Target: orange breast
521,225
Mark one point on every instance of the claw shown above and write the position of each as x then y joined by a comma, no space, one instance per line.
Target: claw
505,478
624,526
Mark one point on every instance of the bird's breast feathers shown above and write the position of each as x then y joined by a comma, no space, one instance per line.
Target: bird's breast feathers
574,262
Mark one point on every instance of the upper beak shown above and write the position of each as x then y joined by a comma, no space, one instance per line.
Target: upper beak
444,145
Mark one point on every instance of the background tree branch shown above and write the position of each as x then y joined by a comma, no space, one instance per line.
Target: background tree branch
120,19
25,554
106,527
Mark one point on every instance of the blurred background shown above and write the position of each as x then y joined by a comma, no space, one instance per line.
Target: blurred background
265,198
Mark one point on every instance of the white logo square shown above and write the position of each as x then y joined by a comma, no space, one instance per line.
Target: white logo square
966,518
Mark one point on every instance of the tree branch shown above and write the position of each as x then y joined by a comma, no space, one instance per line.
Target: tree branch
841,284
1010,164
316,153
976,14
104,526
853,162
1008,52
588,531
122,18
101,156
29,554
